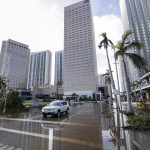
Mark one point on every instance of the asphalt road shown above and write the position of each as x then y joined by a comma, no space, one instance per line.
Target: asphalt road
80,130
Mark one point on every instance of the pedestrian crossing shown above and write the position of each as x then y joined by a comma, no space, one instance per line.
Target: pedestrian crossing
8,147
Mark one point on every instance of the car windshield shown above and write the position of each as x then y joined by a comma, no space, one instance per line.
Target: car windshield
54,104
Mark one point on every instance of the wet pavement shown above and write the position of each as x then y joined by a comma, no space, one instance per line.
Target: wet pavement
85,128
81,129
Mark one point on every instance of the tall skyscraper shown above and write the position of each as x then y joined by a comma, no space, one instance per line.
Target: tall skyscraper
80,64
14,62
59,67
136,17
40,69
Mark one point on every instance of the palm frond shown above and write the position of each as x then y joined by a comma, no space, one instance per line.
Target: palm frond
134,44
107,80
105,74
111,43
126,35
138,61
104,42
101,44
103,35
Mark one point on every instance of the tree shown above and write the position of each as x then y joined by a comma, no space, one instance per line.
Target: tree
108,80
123,46
105,43
2,87
14,101
74,96
58,85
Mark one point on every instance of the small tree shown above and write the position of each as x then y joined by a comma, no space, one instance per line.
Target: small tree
2,87
74,96
58,85
14,101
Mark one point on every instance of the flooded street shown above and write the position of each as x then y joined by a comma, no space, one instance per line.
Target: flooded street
81,129
85,128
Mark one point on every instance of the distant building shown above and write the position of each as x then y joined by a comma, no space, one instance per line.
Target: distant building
101,80
136,17
59,67
40,69
14,62
80,64
103,87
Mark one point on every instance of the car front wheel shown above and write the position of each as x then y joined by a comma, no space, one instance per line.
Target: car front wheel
44,116
67,111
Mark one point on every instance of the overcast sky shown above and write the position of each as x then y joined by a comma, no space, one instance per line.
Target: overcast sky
40,24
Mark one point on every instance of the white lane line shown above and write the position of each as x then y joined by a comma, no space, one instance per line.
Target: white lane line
35,117
50,140
62,139
11,148
4,147
42,121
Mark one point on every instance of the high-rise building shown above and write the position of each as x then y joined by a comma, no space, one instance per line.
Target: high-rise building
59,63
80,64
14,62
39,69
136,17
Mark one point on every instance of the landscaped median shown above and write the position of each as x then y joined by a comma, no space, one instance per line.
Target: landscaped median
138,121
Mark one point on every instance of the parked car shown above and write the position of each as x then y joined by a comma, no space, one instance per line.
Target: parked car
56,108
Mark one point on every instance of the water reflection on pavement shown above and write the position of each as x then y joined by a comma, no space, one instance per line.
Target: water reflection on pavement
85,128
29,131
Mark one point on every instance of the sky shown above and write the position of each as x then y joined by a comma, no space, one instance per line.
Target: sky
40,24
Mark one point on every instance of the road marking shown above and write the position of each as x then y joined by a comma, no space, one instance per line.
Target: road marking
35,117
62,139
11,148
42,121
4,147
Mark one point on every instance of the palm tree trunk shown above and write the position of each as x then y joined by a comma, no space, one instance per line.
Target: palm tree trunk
127,87
112,80
117,105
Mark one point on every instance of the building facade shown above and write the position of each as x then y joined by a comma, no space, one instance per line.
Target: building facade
39,69
14,62
101,80
59,67
136,17
80,64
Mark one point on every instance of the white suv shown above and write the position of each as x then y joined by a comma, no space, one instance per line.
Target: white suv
55,108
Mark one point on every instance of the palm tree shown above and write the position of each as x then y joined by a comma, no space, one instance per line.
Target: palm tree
139,62
108,80
105,43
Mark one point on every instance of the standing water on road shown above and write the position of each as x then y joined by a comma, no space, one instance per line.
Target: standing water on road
87,127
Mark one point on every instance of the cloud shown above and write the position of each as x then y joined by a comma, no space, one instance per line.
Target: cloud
40,24
112,25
